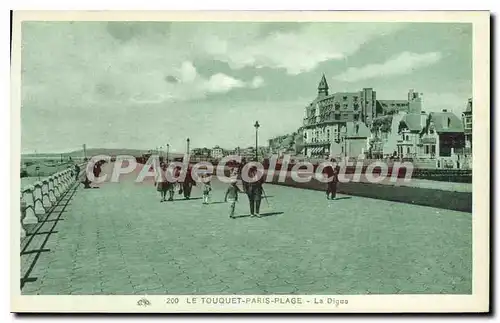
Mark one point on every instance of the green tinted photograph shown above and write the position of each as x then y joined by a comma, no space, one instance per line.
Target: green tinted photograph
246,158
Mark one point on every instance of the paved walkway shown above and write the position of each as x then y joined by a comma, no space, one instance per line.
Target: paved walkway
120,239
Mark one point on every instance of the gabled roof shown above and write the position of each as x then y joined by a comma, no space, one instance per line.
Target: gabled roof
413,122
323,85
469,106
444,122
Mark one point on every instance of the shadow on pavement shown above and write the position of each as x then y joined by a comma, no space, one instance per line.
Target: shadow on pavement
189,199
217,202
343,198
262,215
271,213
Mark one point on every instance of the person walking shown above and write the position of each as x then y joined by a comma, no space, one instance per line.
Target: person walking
232,197
253,189
161,182
207,188
332,174
171,183
188,184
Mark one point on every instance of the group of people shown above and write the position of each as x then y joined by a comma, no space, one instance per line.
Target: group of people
169,183
252,187
183,183
96,171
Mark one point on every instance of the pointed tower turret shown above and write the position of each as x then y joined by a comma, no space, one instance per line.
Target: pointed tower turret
323,87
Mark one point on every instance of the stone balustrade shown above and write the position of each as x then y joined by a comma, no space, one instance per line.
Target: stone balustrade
38,198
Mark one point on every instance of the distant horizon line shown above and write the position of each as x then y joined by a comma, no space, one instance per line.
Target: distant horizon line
129,149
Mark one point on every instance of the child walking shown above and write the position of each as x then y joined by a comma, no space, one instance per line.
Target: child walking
207,188
232,197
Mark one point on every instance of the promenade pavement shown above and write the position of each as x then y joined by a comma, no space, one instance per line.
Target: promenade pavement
119,239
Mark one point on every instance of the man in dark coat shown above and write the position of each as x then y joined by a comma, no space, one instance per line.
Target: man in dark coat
188,183
254,191
332,173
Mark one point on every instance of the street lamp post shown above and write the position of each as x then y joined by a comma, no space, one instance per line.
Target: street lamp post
187,146
256,125
168,147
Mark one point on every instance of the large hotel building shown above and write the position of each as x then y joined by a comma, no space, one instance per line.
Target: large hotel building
331,118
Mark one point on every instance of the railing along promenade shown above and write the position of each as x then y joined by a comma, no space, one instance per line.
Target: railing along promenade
37,199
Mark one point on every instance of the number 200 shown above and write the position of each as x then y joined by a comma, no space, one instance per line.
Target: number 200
174,300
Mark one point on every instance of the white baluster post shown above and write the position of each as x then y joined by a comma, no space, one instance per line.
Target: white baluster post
57,186
30,206
67,179
52,197
45,194
65,184
38,200
62,184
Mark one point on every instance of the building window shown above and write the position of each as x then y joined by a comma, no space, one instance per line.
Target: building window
355,98
433,149
408,150
337,106
356,117
356,106
427,149
337,117
345,106
344,98
407,137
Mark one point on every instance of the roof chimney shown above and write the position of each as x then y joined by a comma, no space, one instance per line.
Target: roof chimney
422,112
444,110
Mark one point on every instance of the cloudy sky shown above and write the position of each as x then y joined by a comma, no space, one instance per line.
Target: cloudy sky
145,84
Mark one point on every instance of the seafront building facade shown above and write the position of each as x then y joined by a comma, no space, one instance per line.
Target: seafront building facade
354,124
331,120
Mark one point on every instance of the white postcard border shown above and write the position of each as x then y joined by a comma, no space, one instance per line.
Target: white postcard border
477,302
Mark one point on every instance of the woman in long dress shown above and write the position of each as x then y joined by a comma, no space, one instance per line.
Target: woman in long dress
162,185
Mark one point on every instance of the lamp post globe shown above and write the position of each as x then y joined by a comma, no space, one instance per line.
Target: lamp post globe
256,125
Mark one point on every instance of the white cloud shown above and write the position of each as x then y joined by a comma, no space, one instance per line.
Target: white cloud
187,72
257,82
296,52
221,83
403,63
194,86
76,64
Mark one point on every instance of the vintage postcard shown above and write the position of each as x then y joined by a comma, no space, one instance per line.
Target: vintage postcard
250,162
